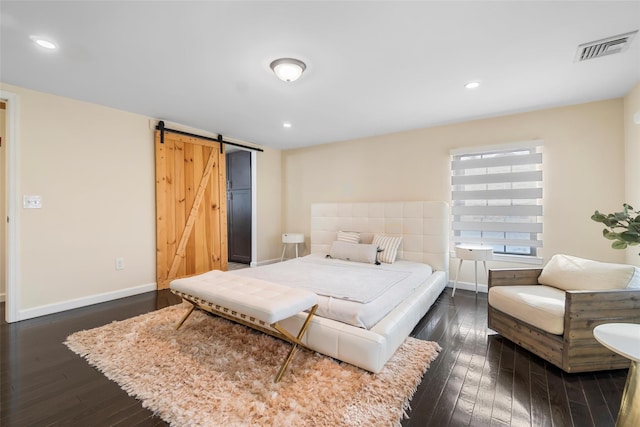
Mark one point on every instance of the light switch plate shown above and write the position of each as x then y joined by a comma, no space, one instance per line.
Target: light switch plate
31,202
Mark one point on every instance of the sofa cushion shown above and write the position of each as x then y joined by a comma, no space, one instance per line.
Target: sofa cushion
538,305
573,273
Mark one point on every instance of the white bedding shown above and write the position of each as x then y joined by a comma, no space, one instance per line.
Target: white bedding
347,282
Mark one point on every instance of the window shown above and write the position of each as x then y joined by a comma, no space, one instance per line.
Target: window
496,197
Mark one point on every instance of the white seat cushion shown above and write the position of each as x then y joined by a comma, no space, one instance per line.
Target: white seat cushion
573,273
538,305
266,301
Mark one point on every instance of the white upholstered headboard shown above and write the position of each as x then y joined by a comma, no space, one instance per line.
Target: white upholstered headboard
424,227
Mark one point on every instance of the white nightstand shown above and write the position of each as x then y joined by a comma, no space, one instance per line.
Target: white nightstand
293,238
472,253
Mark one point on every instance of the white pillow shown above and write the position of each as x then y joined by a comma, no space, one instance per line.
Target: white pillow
573,273
389,246
634,283
348,236
354,252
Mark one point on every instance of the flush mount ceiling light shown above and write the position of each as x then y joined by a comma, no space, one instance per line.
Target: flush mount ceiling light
286,125
288,69
42,42
472,85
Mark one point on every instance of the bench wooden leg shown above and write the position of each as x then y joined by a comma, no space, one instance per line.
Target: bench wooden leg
276,330
187,314
294,341
285,365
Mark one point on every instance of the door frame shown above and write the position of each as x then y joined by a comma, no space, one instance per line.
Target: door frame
11,164
254,211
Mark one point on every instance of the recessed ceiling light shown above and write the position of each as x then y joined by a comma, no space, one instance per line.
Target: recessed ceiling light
472,85
42,42
286,125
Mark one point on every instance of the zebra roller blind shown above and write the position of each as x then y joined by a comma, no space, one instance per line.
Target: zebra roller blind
496,197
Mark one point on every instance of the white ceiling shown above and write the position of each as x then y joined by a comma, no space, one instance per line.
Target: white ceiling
372,67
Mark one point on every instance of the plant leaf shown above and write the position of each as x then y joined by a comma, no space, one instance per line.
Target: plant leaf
623,228
621,216
619,245
610,221
610,235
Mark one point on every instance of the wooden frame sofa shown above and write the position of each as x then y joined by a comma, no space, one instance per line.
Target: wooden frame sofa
574,348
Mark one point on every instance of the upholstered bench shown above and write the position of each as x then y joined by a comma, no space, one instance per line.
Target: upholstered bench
252,302
552,311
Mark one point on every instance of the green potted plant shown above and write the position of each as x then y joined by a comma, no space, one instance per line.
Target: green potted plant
621,227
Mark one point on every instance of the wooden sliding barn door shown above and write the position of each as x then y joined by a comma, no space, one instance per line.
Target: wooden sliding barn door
191,216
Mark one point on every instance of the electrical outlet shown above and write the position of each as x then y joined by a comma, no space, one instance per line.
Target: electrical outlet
31,202
119,263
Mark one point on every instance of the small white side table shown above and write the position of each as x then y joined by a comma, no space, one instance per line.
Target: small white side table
624,339
291,238
472,253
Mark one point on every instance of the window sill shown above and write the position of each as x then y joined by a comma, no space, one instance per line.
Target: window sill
519,259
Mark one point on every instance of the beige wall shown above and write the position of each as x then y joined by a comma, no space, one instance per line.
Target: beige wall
3,224
94,168
632,159
269,205
583,170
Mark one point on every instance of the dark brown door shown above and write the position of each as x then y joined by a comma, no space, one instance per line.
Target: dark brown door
239,206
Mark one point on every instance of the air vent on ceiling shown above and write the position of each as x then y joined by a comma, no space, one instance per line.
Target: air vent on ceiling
603,47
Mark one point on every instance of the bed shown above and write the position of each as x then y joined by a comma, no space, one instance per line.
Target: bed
365,328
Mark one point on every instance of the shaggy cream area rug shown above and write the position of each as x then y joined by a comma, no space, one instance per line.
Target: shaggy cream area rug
213,372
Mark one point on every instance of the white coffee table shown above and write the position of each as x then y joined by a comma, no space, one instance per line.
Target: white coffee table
291,238
624,339
473,253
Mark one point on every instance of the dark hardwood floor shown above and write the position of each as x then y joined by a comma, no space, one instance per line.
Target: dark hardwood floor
479,379
482,379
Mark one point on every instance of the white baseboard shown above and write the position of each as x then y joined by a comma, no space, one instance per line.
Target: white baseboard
57,307
467,286
43,310
269,261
